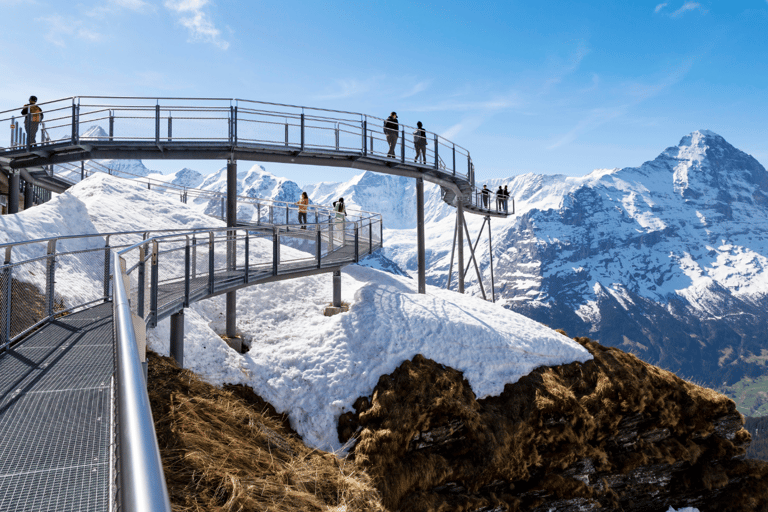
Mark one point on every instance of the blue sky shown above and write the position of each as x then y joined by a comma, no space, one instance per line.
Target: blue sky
545,87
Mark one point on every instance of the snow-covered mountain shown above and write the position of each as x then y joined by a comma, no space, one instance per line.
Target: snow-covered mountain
182,178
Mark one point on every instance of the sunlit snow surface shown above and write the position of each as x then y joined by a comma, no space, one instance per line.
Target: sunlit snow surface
308,365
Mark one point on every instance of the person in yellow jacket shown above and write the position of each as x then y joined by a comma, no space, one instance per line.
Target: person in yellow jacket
303,202
33,116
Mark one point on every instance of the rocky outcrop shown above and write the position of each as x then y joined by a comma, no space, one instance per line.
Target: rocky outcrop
613,433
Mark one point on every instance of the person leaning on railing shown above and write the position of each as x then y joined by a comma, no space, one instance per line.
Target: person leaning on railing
486,196
391,130
420,142
303,202
33,116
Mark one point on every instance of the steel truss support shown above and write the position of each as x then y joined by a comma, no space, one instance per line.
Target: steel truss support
231,249
177,338
460,222
13,191
422,260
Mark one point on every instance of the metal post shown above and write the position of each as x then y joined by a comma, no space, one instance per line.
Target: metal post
50,275
157,123
28,195
286,132
402,146
82,170
153,286
275,253
287,221
231,248
490,253
460,226
337,136
187,272
111,125
421,245
319,242
302,131
74,123
211,268
13,191
258,213
454,159
13,131
370,236
141,281
170,131
365,133
107,263
177,338
234,127
337,288
271,214
7,291
247,266
193,270
474,259
357,244
436,156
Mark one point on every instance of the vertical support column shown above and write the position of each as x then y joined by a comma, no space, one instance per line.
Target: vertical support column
402,146
231,223
111,125
13,191
6,281
154,285
170,134
82,170
107,260
302,131
28,195
490,253
177,338
141,281
460,236
421,246
365,133
337,288
50,277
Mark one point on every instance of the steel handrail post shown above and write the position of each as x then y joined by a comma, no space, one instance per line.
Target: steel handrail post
50,274
357,244
365,136
337,136
402,146
13,131
436,156
111,125
194,257
275,254
234,127
370,235
170,126
141,281
107,254
287,220
74,123
319,241
142,480
187,271
286,131
7,292
157,123
271,214
454,159
247,266
211,256
154,285
302,129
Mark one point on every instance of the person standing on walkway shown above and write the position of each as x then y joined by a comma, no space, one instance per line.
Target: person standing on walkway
506,198
486,196
391,130
341,212
33,116
420,143
499,199
303,202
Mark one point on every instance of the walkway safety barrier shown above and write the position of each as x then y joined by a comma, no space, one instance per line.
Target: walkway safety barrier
210,124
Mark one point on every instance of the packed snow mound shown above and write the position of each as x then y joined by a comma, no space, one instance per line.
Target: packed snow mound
314,367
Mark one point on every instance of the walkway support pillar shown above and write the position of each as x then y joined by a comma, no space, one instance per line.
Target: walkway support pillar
177,338
28,195
13,191
421,246
337,288
460,229
231,254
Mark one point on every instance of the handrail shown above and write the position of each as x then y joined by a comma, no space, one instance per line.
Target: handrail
142,480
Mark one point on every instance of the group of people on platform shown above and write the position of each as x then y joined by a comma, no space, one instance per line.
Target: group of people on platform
502,198
392,131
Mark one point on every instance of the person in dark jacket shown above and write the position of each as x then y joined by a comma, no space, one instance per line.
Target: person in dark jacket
486,196
420,143
391,130
506,198
499,199
33,116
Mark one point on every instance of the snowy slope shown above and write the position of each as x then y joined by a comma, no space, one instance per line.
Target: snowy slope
311,366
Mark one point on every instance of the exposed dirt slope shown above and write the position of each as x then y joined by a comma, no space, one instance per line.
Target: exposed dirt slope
228,450
614,433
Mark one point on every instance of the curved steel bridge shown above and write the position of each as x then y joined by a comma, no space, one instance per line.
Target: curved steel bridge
76,432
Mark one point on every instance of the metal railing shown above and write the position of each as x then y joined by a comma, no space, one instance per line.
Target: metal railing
242,124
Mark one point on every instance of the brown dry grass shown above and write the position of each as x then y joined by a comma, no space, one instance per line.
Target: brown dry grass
512,450
227,450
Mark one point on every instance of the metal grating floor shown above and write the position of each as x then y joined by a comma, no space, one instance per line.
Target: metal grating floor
56,414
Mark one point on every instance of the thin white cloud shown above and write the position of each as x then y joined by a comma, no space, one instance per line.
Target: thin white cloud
687,6
419,87
349,88
61,29
197,21
661,6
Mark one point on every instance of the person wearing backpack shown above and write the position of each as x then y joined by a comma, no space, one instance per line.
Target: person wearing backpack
391,130
500,199
33,116
420,143
341,212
